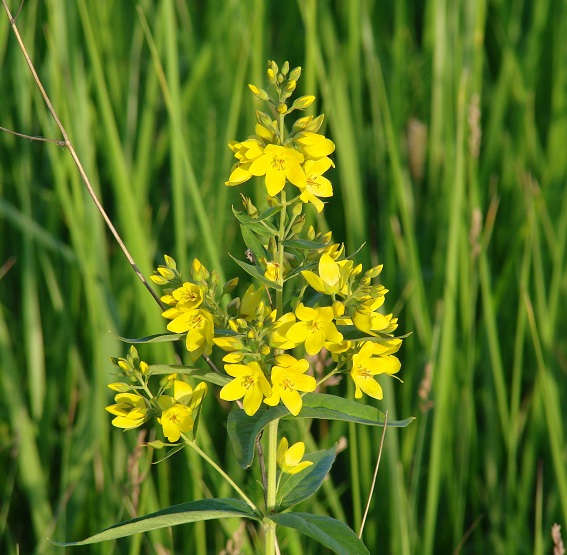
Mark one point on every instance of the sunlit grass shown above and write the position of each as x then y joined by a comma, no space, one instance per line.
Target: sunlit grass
474,248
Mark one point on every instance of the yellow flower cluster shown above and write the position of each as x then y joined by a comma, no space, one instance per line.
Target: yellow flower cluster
312,299
135,403
301,159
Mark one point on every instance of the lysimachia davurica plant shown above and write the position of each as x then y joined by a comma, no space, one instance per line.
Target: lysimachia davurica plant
306,299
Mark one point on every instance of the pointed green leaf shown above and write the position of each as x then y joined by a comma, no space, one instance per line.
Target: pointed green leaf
243,431
255,273
303,485
332,407
157,338
269,212
304,244
253,243
259,225
332,533
191,371
351,333
203,509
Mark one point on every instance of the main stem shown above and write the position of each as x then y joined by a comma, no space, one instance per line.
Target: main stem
269,526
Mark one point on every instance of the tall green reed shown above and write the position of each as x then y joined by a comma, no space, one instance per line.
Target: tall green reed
150,97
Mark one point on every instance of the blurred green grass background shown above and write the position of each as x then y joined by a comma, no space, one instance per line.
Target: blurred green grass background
450,121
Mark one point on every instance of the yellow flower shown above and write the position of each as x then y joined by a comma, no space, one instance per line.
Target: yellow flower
333,276
288,378
314,145
314,328
371,322
175,420
249,382
317,185
184,298
177,411
279,163
365,366
130,410
200,328
289,458
278,337
246,152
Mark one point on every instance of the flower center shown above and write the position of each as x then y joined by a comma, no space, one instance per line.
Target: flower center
279,164
248,381
196,322
288,383
362,371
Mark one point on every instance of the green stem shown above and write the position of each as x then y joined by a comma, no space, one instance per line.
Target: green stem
203,455
281,237
269,526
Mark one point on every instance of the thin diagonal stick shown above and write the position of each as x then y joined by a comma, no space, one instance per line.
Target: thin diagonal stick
374,477
67,144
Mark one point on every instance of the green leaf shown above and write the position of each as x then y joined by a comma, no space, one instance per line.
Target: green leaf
270,212
303,485
256,224
203,509
157,338
170,453
243,430
253,243
332,407
191,371
255,273
332,533
304,244
352,333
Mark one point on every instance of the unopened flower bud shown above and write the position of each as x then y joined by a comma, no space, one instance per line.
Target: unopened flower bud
260,93
121,387
170,262
295,74
264,119
198,271
290,85
374,272
314,125
166,273
285,68
303,102
158,280
298,224
338,309
167,381
271,76
248,206
230,285
301,124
